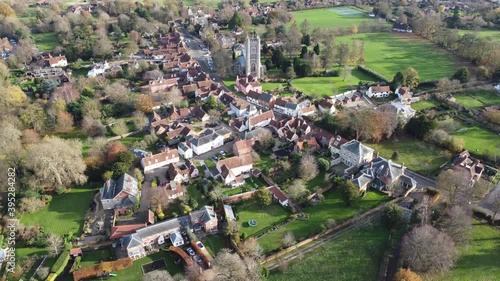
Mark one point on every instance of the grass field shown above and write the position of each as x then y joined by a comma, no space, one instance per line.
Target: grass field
265,216
478,99
479,140
424,104
45,41
134,273
388,53
494,35
324,85
331,17
353,256
417,155
479,260
214,3
332,207
214,243
64,214
92,258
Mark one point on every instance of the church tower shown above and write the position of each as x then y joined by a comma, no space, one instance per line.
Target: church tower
252,49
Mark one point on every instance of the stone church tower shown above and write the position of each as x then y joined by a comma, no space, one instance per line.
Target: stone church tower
252,49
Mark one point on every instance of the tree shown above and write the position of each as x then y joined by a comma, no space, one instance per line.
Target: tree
393,215
231,267
113,149
457,223
305,27
158,198
398,81
102,47
54,244
48,86
172,97
308,167
25,51
56,162
43,272
264,197
251,248
316,49
323,164
346,72
411,78
297,190
92,127
6,10
158,275
91,108
214,115
119,127
216,194
67,92
235,21
495,205
406,275
457,184
11,97
64,122
343,54
421,126
288,239
426,249
223,62
33,116
350,192
293,38
144,103
462,75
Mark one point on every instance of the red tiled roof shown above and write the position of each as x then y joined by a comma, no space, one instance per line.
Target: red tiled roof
278,194
119,231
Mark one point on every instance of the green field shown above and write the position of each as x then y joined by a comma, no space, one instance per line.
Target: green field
388,53
332,207
424,105
494,35
214,243
324,86
479,260
45,41
64,214
479,140
477,99
331,17
92,258
419,156
214,3
134,273
264,216
353,256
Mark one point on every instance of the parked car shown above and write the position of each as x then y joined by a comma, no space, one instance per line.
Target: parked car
223,153
200,245
190,251
215,158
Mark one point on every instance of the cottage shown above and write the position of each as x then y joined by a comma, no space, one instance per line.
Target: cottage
473,166
378,91
248,83
307,143
207,141
404,95
161,159
184,150
261,120
326,105
242,147
279,196
59,61
401,27
200,114
204,219
121,193
231,168
404,111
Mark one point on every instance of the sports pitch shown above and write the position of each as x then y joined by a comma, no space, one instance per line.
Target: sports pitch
331,17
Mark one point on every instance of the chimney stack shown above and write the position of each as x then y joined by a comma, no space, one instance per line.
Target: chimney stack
352,176
403,168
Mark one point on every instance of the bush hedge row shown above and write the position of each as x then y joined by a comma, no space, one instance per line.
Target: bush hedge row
61,263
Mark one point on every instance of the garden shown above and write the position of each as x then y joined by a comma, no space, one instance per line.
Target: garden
332,207
353,256
264,216
477,99
478,140
387,53
134,273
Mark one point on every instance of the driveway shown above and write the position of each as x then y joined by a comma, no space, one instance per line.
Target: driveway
227,147
488,201
146,186
422,182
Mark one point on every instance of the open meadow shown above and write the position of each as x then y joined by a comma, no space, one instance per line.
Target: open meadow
477,98
479,140
494,35
388,53
331,17
353,256
45,41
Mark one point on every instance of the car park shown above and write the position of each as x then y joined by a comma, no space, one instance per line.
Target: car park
190,251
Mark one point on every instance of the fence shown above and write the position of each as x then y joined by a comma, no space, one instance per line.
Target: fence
327,232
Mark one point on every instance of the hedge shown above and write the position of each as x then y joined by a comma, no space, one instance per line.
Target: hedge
61,263
372,73
76,264
1,241
108,266
51,277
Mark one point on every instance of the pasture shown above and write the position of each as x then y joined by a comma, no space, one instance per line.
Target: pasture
479,260
493,35
324,86
424,105
477,98
344,17
353,256
388,53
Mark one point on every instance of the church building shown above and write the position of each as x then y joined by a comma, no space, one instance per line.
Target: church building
248,63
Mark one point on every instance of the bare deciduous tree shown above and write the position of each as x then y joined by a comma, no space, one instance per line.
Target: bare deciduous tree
230,267
54,244
457,223
426,249
297,190
172,97
288,239
308,167
457,183
93,127
251,248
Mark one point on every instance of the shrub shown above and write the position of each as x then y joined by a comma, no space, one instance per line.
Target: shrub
60,189
110,266
47,197
1,241
43,272
76,264
61,263
51,277
31,205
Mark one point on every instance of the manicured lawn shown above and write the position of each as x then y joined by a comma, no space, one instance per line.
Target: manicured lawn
64,214
134,273
45,41
320,181
77,135
92,258
331,17
353,256
265,161
417,155
324,85
478,99
210,164
479,140
214,244
264,216
332,207
388,53
214,3
250,183
424,105
233,191
128,141
479,260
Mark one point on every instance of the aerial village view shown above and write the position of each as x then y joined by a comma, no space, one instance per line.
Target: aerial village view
250,140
